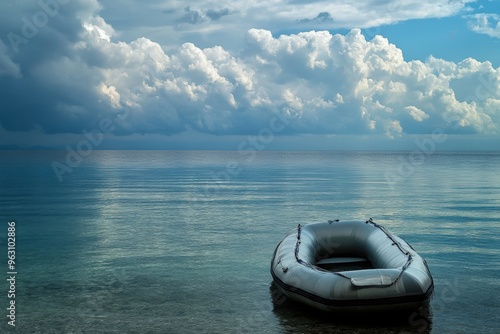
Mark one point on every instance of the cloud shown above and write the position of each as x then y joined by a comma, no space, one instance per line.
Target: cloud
416,113
323,17
7,66
215,15
488,24
210,22
316,82
53,93
193,16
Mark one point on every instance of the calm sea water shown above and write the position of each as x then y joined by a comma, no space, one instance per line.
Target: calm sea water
180,242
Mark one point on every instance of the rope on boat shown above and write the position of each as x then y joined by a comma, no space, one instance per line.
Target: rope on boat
297,244
394,241
369,221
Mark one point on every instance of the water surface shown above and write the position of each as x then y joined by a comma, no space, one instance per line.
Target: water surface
181,241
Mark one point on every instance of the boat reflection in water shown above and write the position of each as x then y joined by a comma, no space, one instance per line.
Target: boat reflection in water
296,317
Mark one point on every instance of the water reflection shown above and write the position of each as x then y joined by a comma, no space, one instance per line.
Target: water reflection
296,318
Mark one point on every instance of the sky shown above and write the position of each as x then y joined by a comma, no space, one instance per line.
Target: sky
304,75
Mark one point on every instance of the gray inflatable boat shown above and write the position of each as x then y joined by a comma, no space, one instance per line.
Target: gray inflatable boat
351,266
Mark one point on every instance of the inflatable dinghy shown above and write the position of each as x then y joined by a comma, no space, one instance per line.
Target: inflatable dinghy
350,266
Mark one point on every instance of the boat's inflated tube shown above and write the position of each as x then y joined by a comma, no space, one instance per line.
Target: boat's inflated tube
398,278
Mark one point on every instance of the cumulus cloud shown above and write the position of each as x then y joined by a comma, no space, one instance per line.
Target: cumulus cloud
416,113
319,82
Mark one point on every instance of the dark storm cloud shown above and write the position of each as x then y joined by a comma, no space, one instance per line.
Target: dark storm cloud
52,90
216,14
193,16
323,17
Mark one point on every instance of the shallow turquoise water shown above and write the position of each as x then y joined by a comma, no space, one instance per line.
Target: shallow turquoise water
180,241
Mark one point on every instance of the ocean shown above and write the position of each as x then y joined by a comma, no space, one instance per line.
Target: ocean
181,241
